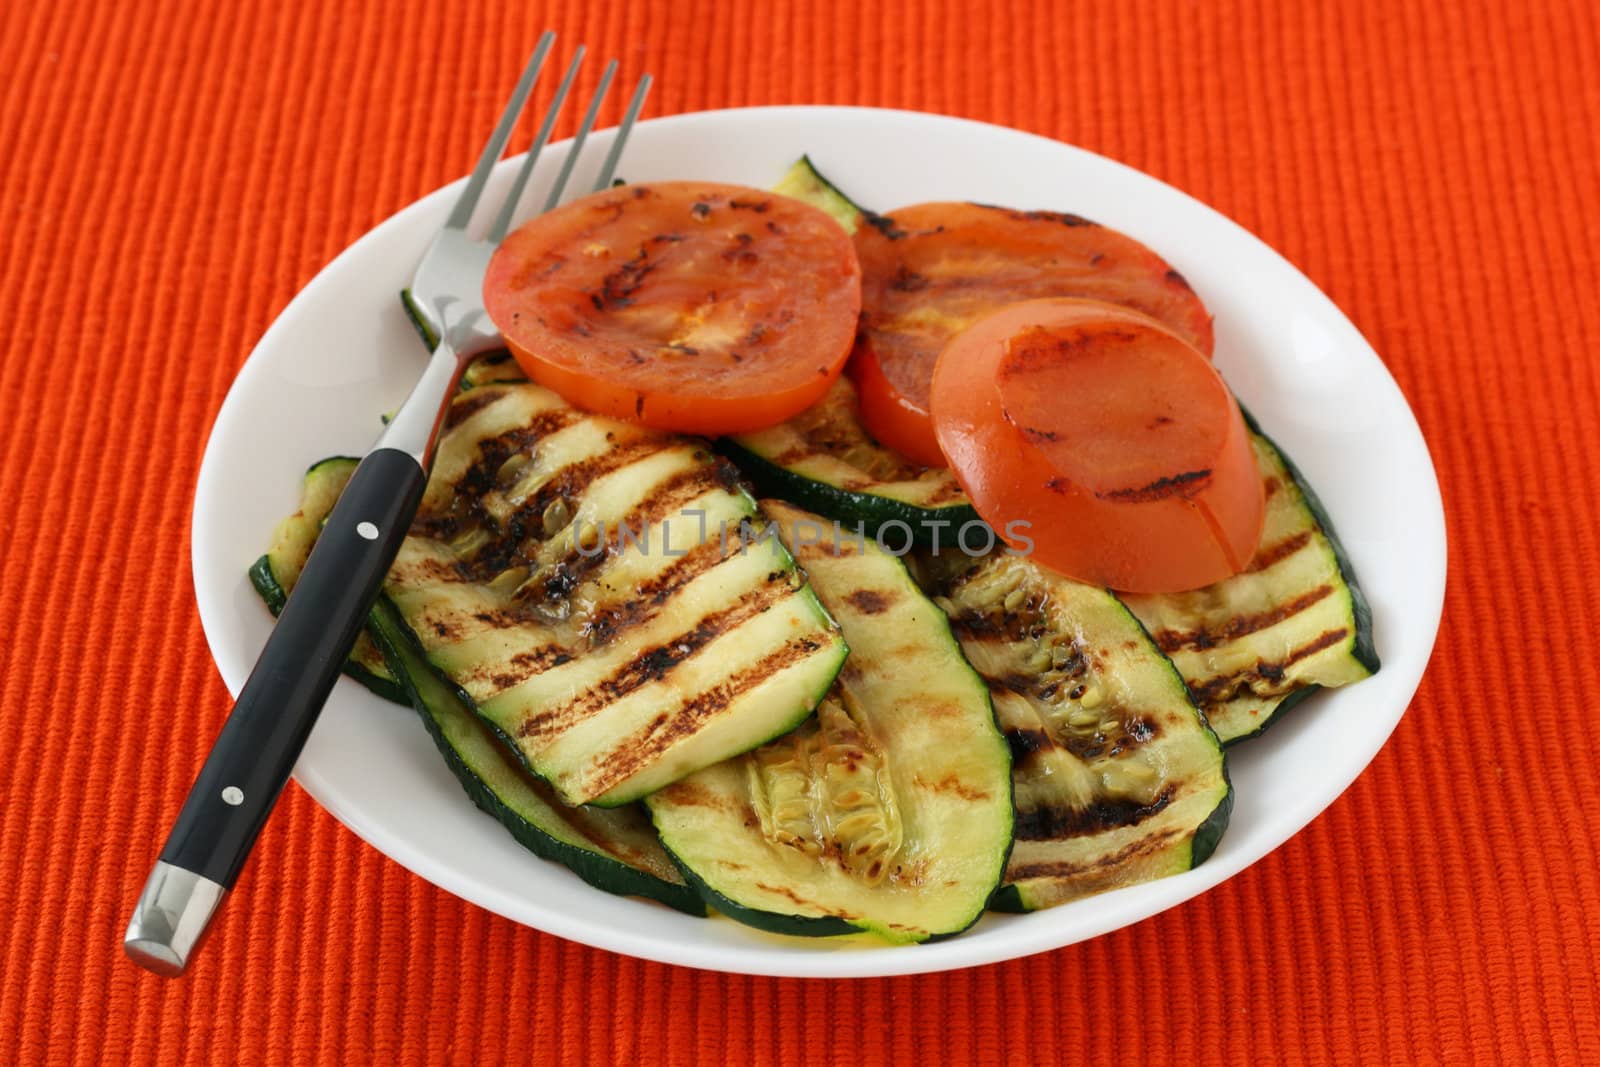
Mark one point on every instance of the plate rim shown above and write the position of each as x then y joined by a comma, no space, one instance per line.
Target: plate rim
1114,910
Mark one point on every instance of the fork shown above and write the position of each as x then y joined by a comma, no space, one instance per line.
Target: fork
250,761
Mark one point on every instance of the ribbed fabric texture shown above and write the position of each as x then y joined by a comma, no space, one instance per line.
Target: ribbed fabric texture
173,172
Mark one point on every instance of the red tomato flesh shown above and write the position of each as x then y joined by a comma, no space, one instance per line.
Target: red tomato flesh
687,306
1112,437
930,270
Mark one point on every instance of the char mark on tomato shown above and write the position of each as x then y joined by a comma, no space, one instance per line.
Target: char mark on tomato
1180,485
908,281
884,224
1060,218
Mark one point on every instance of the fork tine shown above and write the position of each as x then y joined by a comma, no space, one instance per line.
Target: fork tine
461,214
634,107
502,222
582,134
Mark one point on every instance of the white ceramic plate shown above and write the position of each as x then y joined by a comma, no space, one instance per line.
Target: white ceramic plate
342,352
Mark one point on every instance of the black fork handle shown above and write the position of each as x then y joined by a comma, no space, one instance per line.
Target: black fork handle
250,762
264,734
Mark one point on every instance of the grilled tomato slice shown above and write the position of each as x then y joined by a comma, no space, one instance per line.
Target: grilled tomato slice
930,270
687,306
1112,437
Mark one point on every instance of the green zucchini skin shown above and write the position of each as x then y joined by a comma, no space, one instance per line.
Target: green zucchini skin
514,801
803,181
868,512
418,323
1008,900
770,921
891,813
1284,706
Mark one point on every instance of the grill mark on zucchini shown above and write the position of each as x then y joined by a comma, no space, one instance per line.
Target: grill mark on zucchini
1065,869
644,746
823,459
563,576
951,784
785,891
527,522
613,850
530,663
655,663
1025,742
1226,686
653,594
469,404
870,601
1110,813
1228,639
525,484
1277,553
1240,625
466,499
688,793
890,808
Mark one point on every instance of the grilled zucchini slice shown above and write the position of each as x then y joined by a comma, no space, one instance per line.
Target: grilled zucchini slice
615,850
585,584
1254,645
275,573
891,810
1117,777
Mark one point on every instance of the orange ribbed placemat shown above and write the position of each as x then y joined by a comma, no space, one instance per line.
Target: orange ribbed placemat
174,171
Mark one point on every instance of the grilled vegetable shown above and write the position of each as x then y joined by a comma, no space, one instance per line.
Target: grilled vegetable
1117,777
615,850
1142,479
558,574
685,306
494,367
804,182
931,270
1252,646
823,460
274,574
889,812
